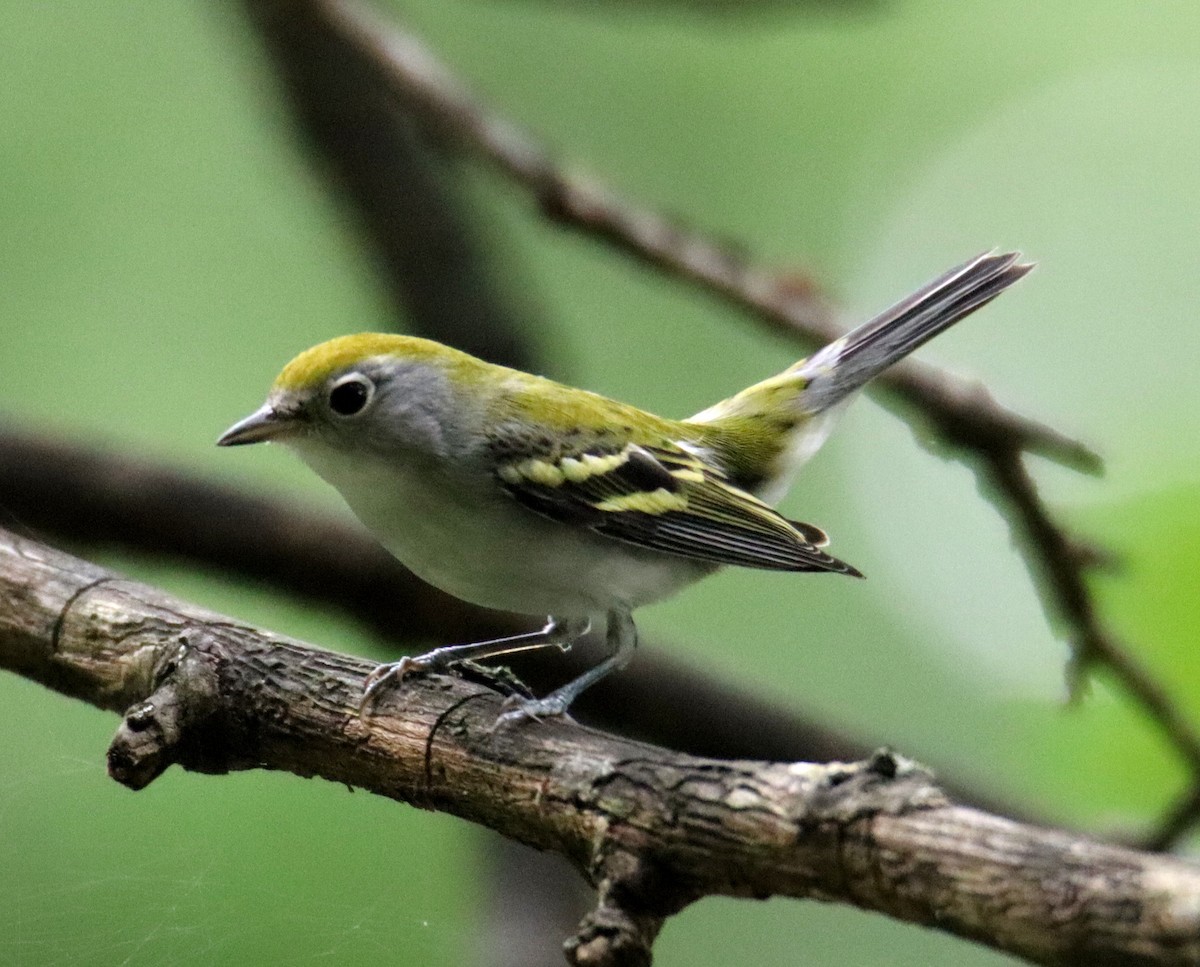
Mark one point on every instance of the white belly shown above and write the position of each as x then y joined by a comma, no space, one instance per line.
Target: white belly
484,547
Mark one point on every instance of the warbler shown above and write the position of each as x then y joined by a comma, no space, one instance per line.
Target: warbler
521,494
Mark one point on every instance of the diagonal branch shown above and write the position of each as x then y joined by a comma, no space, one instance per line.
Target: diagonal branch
652,830
1063,564
787,302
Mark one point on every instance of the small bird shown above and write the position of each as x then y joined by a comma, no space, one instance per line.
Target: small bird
521,494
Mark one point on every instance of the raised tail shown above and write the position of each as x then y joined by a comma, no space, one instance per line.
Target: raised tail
764,433
843,366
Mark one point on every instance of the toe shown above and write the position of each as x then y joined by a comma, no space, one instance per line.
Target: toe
525,709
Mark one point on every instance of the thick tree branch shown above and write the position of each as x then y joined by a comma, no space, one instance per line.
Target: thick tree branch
92,498
57,491
651,829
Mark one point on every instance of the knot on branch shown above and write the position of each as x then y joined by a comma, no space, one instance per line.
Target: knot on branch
632,903
613,936
883,784
169,725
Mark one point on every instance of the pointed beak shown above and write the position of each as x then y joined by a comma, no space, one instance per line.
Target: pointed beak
265,423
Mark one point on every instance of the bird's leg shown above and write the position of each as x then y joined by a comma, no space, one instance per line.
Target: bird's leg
622,640
558,632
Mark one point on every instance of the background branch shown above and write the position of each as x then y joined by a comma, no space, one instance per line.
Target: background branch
405,194
651,829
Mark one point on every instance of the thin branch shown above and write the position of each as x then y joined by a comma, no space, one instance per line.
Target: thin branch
1177,822
652,830
1063,566
966,421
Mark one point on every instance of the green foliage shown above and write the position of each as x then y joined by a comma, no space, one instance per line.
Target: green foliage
165,250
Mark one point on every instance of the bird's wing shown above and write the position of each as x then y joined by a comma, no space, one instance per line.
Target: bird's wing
666,499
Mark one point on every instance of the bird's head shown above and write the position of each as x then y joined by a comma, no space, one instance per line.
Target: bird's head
367,393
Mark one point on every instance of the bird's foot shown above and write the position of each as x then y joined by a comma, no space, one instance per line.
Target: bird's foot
392,671
518,709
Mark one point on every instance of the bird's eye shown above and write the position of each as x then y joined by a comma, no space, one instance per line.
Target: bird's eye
350,394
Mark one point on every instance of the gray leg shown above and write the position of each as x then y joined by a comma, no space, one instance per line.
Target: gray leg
558,633
622,640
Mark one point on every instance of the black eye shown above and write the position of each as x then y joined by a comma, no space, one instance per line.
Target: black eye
350,394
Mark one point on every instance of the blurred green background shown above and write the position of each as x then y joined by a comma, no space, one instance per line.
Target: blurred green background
164,249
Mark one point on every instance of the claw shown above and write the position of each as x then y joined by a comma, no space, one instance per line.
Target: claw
382,674
532,709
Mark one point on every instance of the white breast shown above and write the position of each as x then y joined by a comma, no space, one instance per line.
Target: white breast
477,543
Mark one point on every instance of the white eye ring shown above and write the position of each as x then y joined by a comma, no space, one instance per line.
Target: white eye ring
350,395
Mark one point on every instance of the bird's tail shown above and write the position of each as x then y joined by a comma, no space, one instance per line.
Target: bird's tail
787,406
846,364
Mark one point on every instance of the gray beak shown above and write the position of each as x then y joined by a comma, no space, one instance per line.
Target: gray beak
265,423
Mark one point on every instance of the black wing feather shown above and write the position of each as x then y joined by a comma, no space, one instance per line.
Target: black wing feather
670,501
